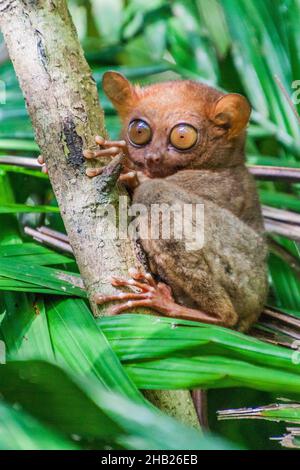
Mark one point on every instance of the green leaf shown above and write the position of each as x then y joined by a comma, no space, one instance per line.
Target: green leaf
92,413
285,284
214,20
212,372
9,232
24,327
161,353
20,381
34,254
79,346
21,208
62,282
279,199
18,144
20,431
23,171
109,24
188,44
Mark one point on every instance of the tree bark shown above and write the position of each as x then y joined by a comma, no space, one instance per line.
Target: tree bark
62,100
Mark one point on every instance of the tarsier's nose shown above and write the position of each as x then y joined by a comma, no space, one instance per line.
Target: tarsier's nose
153,158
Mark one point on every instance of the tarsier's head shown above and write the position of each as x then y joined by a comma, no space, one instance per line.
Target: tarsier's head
177,125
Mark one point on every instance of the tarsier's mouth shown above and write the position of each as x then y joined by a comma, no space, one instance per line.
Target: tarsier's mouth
154,170
158,172
151,173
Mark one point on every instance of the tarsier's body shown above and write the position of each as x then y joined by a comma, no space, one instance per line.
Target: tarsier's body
186,143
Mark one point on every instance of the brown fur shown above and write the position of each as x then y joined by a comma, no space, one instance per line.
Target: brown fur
227,277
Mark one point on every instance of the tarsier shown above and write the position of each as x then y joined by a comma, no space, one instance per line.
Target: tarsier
184,141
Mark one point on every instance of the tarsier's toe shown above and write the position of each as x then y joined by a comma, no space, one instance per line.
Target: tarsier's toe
145,292
127,306
91,172
130,179
109,143
135,273
119,282
103,299
107,152
88,153
139,275
99,140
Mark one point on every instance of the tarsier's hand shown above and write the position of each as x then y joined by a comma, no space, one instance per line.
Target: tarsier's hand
110,148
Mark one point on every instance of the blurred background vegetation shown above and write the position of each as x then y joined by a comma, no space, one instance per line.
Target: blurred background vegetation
68,399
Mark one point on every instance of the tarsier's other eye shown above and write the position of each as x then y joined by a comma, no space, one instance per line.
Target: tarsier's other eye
139,132
183,136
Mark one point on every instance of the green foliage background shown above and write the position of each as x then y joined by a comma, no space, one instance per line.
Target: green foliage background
72,381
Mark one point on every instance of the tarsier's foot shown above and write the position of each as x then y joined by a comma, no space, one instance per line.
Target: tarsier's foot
151,294
110,148
147,293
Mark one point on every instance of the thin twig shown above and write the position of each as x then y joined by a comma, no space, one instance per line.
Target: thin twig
254,412
48,240
26,162
277,327
282,215
270,337
281,173
54,233
280,228
276,314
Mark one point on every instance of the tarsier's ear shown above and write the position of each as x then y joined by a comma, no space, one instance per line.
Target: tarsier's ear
119,90
232,112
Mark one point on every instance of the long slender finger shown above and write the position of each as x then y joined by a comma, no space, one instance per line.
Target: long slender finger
115,143
99,140
150,279
118,282
109,152
130,175
130,179
140,275
91,172
110,143
165,290
102,299
116,309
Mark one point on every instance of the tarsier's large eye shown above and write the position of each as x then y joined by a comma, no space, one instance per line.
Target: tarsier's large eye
139,132
183,136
